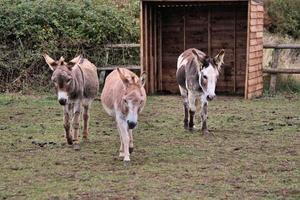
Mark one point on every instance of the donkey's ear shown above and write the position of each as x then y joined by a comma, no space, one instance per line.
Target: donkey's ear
74,61
196,56
143,79
123,78
51,63
219,59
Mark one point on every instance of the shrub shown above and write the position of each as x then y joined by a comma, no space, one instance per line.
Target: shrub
284,17
58,27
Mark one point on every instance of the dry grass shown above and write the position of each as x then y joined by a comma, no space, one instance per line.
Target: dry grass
254,153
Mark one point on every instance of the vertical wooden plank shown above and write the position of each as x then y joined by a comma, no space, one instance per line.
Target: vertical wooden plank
274,76
151,50
146,46
142,36
209,31
155,49
184,29
248,48
234,51
160,52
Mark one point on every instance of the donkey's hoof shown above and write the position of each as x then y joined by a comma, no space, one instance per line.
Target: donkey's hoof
126,163
191,128
121,154
76,147
205,132
130,150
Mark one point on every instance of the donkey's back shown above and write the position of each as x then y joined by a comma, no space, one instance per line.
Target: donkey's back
91,82
187,69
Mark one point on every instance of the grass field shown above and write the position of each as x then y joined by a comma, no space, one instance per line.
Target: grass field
253,153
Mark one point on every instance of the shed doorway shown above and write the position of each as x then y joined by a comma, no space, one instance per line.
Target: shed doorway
208,28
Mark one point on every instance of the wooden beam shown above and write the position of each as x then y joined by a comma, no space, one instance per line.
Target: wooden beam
184,29
146,49
142,32
123,45
274,66
155,77
246,95
282,70
160,52
150,77
209,32
282,46
194,0
113,67
234,50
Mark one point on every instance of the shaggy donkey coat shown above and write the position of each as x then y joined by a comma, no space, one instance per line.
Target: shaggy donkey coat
77,84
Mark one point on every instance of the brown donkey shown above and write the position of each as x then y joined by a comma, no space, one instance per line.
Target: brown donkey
77,84
123,97
197,75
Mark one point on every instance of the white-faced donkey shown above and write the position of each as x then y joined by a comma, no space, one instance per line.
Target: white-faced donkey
77,84
124,97
197,76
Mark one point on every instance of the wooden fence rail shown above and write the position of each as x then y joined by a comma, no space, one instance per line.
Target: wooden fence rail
274,70
108,67
282,46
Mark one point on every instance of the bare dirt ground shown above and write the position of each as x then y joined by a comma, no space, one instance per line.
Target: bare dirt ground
253,153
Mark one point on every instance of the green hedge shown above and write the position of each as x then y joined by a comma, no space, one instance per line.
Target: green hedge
58,27
284,17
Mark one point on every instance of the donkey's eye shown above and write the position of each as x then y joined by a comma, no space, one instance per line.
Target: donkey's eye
125,101
205,77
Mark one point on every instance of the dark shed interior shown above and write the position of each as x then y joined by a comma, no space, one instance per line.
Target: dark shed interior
208,26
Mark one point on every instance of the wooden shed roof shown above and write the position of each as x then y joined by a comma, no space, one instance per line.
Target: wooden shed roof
195,0
162,1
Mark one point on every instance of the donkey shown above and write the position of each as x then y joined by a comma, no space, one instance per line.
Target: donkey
77,84
197,75
124,97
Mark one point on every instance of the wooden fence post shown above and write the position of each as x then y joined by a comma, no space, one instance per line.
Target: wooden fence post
274,66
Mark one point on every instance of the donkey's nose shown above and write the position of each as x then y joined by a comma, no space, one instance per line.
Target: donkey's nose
131,125
210,97
62,101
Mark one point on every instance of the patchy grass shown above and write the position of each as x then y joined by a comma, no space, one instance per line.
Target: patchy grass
254,153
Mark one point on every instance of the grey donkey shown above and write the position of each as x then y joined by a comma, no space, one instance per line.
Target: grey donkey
76,83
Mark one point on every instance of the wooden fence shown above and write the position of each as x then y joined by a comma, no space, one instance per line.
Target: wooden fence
274,70
108,67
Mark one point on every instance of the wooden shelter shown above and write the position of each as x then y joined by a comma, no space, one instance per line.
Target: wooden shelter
168,27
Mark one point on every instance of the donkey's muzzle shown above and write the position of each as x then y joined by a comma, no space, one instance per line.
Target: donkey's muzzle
210,97
62,101
131,125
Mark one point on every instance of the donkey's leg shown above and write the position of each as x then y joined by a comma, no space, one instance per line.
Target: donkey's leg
121,150
76,119
85,117
204,105
122,125
67,117
192,109
131,141
184,94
